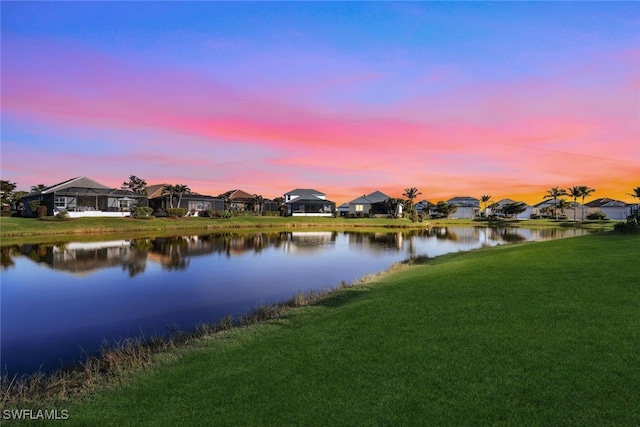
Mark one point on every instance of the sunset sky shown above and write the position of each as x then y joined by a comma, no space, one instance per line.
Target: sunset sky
456,99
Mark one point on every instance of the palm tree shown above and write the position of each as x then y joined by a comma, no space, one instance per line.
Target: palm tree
410,194
636,193
574,192
170,190
562,205
584,192
486,198
554,193
181,190
257,203
38,187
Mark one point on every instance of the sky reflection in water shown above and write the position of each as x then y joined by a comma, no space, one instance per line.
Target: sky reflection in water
59,301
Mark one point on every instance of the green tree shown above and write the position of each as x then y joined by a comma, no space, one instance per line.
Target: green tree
574,192
6,192
135,184
585,192
486,198
181,190
38,187
636,193
410,194
445,209
513,209
554,193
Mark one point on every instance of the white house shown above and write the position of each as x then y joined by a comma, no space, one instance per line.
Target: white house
613,209
468,207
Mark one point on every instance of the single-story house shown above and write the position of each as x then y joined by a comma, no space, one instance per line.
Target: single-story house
193,202
238,200
308,202
546,209
524,215
614,209
468,207
343,209
82,196
373,203
426,208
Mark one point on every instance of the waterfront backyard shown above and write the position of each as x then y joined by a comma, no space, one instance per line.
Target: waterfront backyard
531,334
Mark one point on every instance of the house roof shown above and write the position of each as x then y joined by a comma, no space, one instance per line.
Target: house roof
463,201
237,194
80,183
425,202
301,191
507,200
375,197
605,202
155,190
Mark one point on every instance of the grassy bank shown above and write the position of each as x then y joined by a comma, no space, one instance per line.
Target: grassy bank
532,334
11,227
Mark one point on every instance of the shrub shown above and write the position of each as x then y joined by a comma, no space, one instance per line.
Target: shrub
63,215
143,212
413,216
631,226
597,215
177,212
33,207
7,212
534,216
41,211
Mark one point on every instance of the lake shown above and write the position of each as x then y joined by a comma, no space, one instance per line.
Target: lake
62,301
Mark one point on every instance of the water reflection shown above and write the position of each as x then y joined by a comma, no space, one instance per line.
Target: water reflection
60,298
173,253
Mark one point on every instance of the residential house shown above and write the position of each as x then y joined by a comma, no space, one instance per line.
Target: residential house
238,200
82,196
524,215
613,209
468,207
193,202
369,204
426,208
308,202
343,209
545,209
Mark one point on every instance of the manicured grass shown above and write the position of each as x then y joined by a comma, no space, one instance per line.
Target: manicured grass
531,334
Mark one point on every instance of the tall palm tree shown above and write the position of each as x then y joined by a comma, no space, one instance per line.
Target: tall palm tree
636,193
574,192
181,190
486,198
410,194
169,190
584,192
38,187
554,193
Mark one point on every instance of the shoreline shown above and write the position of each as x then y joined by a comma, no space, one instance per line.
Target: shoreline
20,229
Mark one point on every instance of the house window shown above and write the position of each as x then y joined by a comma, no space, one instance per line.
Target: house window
60,202
359,208
125,204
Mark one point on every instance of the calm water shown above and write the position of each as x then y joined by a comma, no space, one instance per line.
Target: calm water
62,301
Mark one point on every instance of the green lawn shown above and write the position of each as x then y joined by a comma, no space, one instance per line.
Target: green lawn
531,334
